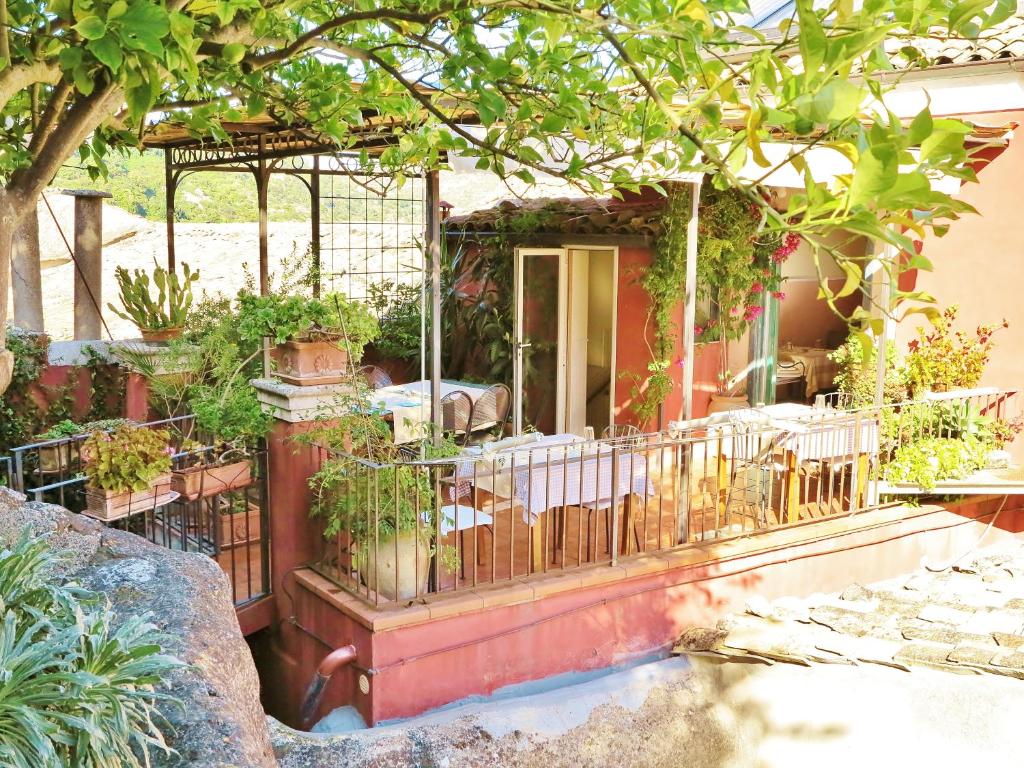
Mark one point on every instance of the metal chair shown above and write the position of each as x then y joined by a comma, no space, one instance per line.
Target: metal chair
787,376
489,413
625,435
628,434
375,377
456,413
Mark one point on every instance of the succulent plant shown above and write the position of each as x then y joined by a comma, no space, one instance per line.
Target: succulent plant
167,310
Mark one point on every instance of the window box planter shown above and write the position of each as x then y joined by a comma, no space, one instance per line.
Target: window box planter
237,528
160,334
308,363
113,505
208,480
58,459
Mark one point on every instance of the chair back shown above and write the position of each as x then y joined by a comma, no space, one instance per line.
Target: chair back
456,412
375,377
789,371
627,433
491,408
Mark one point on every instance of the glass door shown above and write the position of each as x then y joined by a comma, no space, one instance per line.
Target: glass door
540,328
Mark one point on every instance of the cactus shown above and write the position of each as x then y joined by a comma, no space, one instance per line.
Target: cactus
173,300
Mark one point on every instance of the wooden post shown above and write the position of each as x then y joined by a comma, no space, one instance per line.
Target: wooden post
88,257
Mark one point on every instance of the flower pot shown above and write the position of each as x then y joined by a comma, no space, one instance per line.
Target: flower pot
57,459
207,480
114,505
722,403
309,363
387,558
160,334
237,528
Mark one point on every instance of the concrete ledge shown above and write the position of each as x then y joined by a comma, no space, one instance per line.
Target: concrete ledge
296,405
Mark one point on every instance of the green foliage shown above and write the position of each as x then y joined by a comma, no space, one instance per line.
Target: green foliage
170,307
27,406
127,459
857,371
945,359
279,317
75,690
930,460
62,429
397,307
354,320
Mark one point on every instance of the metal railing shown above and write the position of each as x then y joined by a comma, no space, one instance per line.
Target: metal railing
226,520
398,532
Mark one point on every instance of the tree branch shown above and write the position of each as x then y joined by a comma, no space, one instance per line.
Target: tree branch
16,78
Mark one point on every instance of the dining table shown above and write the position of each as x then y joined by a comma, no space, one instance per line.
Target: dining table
407,406
819,369
536,473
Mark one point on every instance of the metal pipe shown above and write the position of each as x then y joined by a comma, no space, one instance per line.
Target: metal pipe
331,663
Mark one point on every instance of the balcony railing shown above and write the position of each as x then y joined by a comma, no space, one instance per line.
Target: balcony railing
229,524
514,509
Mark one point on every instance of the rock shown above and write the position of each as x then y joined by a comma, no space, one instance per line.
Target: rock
758,606
855,592
220,722
699,639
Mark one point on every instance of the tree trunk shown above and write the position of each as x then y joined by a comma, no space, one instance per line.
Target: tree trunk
7,223
26,281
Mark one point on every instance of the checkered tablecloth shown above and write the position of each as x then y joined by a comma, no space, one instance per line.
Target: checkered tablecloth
557,471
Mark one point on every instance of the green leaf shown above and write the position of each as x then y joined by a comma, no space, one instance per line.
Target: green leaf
91,27
233,53
875,173
108,52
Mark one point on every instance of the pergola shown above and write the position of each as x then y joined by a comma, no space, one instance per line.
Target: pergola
263,146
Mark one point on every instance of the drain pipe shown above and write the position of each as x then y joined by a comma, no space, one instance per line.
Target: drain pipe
331,663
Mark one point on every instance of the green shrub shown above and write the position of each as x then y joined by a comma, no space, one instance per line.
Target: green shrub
398,312
74,691
857,372
127,459
930,460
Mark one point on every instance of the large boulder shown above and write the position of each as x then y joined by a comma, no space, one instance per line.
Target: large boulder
220,721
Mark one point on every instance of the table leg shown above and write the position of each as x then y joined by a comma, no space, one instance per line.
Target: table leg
791,487
536,547
627,525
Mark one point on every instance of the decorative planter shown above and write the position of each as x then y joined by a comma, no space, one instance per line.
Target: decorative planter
111,505
384,560
240,528
55,459
310,363
199,482
160,334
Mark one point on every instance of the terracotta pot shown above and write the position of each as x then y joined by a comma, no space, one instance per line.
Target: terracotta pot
113,505
160,334
309,363
722,403
384,559
199,482
237,528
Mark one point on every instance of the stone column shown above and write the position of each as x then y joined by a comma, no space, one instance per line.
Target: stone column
89,262
26,280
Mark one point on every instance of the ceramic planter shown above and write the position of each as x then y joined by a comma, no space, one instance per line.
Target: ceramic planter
309,363
202,481
160,334
240,528
387,558
113,505
57,459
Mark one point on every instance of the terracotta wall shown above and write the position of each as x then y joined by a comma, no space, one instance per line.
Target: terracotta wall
980,262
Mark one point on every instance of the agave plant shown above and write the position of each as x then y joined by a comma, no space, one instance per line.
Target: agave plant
76,688
171,304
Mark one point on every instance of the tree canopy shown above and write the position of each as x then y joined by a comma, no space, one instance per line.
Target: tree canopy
602,94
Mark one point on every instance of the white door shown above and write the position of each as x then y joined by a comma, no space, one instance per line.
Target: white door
539,366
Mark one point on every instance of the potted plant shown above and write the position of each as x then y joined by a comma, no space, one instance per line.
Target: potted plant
127,471
380,503
161,318
944,359
315,339
57,456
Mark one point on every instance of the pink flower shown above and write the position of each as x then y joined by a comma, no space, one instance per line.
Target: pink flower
734,311
752,312
778,295
757,287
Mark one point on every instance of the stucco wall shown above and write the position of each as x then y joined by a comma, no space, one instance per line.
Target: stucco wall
979,264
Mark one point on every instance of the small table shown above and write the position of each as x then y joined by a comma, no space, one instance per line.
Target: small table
409,405
819,369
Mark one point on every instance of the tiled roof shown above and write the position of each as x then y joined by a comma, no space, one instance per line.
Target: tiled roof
966,618
564,215
1004,41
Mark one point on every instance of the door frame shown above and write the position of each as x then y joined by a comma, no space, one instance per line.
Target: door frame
615,319
517,342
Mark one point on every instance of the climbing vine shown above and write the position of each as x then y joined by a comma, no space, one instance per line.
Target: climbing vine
27,407
737,269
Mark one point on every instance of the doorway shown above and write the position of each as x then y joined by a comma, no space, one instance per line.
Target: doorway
565,339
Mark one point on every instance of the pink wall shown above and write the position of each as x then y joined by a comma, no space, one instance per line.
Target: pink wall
978,264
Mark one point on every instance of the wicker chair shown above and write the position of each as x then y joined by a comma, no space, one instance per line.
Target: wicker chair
456,413
375,377
489,414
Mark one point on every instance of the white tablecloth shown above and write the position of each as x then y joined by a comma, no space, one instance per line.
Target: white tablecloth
409,405
819,370
554,471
